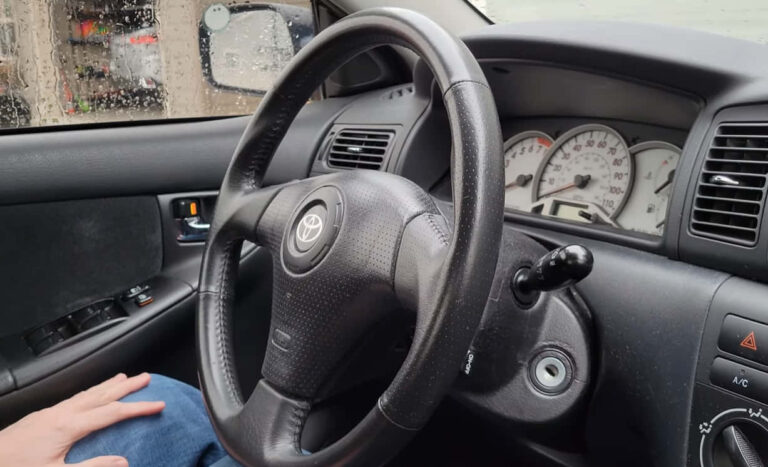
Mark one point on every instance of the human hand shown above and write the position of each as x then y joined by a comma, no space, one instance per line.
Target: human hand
43,438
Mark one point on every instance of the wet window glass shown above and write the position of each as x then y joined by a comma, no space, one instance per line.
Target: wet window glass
92,61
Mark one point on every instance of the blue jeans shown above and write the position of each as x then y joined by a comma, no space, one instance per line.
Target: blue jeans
181,435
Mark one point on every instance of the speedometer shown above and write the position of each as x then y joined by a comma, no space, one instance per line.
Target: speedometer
589,171
523,154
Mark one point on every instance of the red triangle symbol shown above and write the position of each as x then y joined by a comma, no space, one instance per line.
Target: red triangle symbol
749,342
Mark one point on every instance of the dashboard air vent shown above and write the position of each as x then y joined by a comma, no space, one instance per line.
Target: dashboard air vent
399,92
728,205
360,149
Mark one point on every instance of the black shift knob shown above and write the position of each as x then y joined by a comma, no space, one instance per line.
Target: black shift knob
557,269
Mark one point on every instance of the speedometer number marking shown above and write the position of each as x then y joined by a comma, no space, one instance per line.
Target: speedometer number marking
522,157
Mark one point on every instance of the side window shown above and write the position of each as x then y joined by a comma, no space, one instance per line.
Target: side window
91,61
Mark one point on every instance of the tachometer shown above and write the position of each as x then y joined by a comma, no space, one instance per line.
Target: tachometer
646,208
589,170
523,154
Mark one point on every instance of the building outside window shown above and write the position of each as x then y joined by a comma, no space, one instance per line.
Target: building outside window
94,61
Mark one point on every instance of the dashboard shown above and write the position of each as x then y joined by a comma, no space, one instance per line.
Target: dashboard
587,152
646,145
591,174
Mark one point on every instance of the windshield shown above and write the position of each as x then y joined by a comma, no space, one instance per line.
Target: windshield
95,61
744,19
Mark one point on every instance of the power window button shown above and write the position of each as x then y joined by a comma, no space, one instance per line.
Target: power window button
48,342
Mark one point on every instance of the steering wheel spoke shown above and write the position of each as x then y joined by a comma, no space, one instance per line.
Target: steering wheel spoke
423,249
238,213
272,424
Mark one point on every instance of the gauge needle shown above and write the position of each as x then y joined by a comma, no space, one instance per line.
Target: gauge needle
521,181
666,182
590,217
579,181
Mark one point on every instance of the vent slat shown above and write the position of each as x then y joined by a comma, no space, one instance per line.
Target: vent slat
355,149
734,200
728,204
735,174
741,129
751,162
353,156
366,133
716,224
738,149
356,164
362,141
735,135
727,213
730,187
359,149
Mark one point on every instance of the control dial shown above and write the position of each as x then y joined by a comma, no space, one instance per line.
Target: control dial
735,438
741,445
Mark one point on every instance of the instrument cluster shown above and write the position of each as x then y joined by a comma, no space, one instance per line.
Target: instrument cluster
589,174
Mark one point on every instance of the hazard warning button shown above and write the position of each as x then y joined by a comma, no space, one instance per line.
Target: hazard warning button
748,339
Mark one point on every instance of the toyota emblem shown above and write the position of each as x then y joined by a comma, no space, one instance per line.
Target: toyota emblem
310,227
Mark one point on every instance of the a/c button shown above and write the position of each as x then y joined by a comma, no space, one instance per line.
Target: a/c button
740,379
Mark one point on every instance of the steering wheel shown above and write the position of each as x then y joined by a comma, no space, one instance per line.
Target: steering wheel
348,249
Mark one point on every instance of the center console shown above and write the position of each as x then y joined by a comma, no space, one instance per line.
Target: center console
729,420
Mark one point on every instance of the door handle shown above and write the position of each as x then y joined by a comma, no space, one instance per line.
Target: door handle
196,224
193,229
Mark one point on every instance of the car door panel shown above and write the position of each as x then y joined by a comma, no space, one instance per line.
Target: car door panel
61,256
104,162
88,214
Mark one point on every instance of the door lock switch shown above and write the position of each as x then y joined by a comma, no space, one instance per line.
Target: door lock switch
184,208
143,299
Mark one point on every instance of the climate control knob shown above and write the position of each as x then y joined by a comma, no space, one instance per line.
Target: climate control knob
741,445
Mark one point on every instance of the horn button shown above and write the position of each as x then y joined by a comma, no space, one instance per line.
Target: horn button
314,227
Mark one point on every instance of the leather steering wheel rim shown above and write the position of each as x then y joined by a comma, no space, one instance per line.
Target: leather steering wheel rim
442,272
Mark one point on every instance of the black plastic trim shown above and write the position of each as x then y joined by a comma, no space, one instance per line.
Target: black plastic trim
649,313
746,261
627,238
98,163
